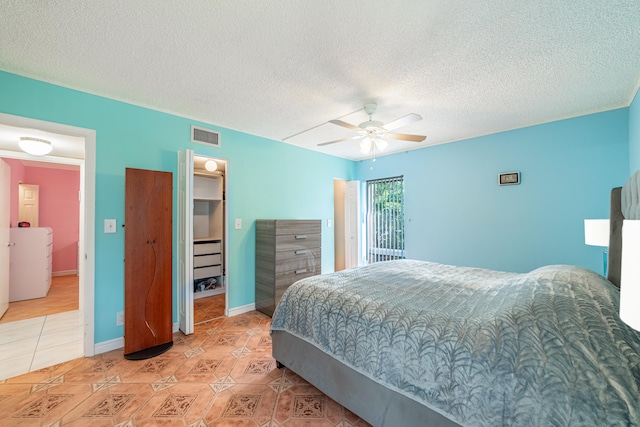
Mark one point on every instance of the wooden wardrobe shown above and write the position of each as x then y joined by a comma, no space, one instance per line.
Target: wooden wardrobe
148,329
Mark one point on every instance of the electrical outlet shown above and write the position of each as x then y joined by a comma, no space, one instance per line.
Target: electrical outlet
120,318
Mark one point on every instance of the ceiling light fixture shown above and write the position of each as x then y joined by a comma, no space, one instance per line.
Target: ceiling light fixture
35,146
210,165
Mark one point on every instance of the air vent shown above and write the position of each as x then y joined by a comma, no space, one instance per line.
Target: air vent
205,136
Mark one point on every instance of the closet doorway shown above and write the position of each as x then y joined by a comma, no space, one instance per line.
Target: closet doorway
202,239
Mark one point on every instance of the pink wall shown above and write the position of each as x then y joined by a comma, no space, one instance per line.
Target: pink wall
59,208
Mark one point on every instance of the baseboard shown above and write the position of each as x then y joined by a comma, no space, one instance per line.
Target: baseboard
116,343
65,273
105,346
242,309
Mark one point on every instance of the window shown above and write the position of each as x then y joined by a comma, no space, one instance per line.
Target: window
385,219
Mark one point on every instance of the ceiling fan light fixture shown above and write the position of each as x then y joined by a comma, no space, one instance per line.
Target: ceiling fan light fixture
365,145
35,146
381,144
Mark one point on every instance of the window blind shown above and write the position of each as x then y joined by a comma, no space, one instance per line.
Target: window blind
385,219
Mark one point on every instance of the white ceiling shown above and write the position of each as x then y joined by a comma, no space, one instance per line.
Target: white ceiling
276,68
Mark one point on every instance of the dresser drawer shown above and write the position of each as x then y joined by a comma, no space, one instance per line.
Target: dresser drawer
304,226
283,281
205,260
292,242
291,261
206,248
204,272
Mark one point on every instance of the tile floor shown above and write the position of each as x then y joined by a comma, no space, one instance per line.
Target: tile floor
222,375
208,308
31,344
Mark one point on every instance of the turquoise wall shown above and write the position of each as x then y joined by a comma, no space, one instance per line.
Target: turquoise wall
457,214
634,135
267,179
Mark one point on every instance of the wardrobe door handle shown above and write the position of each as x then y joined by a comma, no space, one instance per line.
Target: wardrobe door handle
301,236
302,252
304,270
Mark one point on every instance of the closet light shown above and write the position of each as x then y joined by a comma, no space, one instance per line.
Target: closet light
210,165
35,146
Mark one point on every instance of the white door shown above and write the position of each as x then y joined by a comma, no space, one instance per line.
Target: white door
29,203
351,209
185,241
5,185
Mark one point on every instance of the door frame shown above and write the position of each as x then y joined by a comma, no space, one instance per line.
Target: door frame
185,231
87,208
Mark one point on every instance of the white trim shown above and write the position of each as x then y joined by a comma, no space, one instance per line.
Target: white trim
87,207
117,343
240,310
65,273
105,346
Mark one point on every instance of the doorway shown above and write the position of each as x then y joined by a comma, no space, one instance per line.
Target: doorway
85,138
209,229
43,256
346,205
202,239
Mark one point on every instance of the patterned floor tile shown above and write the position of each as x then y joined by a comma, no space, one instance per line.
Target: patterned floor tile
242,403
48,406
187,402
255,370
304,404
114,405
205,369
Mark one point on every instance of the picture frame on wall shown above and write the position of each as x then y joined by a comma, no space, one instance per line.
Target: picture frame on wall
509,178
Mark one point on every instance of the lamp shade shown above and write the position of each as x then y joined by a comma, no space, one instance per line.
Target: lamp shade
596,232
630,274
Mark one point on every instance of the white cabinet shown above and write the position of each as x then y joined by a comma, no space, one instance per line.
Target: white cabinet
208,234
30,262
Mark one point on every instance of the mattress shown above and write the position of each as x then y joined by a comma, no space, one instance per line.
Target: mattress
480,347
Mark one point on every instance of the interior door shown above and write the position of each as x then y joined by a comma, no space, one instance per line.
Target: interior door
148,269
5,183
29,203
185,241
351,209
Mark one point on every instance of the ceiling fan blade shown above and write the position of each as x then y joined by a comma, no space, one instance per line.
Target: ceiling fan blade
339,140
405,137
344,124
409,118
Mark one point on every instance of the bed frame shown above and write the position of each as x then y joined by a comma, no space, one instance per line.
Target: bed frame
371,401
376,403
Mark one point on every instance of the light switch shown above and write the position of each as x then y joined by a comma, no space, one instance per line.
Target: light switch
109,225
238,223
328,223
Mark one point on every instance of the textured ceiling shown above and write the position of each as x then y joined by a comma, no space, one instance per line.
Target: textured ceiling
276,68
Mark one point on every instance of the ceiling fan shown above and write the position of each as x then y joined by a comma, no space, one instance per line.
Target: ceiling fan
375,134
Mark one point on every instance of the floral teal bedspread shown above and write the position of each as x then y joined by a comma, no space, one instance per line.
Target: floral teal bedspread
484,348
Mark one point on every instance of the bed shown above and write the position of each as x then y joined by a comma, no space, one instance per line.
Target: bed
408,343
